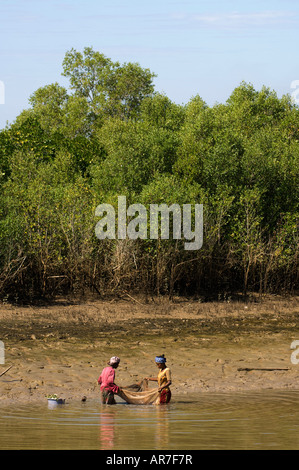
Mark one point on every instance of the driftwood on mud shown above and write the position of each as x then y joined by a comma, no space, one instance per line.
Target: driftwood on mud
5,371
249,369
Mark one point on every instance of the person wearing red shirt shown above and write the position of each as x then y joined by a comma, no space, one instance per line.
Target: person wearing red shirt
106,382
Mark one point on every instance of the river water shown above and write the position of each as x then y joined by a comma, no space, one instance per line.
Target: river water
263,420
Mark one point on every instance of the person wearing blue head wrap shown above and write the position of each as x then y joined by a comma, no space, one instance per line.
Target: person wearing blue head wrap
160,360
163,379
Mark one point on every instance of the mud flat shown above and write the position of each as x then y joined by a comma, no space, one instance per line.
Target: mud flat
210,347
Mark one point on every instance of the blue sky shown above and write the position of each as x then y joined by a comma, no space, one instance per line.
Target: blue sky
194,46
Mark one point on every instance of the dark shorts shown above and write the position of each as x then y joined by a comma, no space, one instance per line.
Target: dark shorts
108,397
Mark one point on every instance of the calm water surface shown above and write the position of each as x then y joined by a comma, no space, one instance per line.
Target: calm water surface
264,420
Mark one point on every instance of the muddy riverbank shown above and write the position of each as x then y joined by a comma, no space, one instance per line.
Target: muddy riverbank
216,346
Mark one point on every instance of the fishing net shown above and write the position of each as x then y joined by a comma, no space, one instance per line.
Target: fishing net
139,394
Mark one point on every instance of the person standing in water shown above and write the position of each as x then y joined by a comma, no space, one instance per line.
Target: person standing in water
106,382
163,379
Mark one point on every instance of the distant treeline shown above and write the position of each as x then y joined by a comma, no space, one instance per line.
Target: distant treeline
111,134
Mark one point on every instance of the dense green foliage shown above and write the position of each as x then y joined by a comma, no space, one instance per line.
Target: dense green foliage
111,134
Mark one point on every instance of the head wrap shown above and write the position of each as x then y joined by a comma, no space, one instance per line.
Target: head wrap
160,359
114,360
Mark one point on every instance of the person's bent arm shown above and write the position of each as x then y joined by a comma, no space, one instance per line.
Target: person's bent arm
165,386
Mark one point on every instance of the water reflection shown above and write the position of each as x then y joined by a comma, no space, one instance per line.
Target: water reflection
107,430
267,420
127,426
162,427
